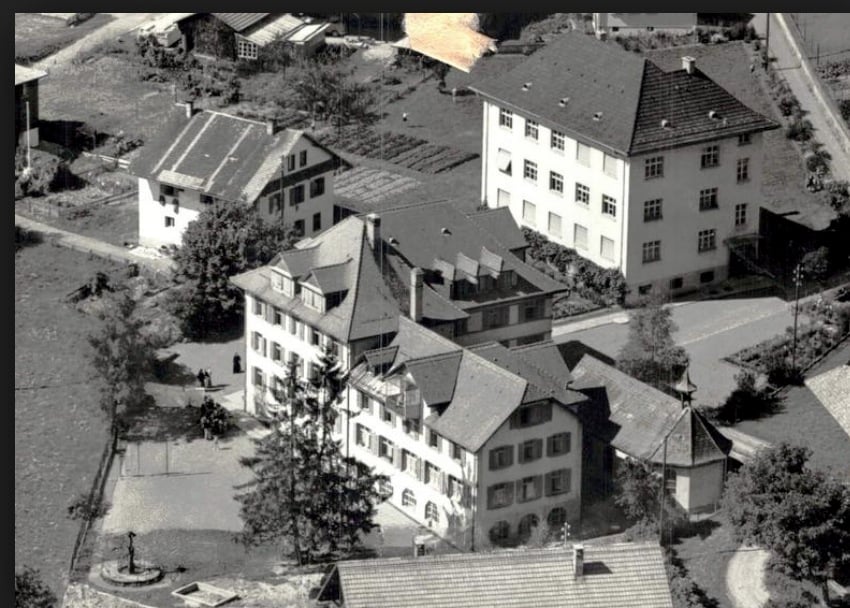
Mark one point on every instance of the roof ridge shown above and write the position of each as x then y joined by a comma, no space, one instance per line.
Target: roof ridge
637,106
699,418
436,356
404,206
349,319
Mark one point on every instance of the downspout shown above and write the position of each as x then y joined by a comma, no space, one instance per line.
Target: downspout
625,218
485,147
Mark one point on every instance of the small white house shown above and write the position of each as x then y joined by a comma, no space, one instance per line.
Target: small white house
202,157
632,24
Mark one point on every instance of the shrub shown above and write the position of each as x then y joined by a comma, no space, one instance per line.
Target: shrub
785,592
81,508
42,177
799,129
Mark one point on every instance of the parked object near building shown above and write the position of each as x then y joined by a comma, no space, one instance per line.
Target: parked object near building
26,104
630,24
619,575
648,171
202,157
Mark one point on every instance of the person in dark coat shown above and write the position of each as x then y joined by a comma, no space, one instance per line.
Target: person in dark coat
202,376
237,364
208,376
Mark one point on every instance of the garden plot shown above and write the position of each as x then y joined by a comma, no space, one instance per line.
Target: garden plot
397,148
371,185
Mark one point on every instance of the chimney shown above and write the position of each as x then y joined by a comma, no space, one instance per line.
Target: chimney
270,126
189,106
416,288
578,560
373,230
688,64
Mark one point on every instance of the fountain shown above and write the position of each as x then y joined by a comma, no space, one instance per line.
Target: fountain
131,572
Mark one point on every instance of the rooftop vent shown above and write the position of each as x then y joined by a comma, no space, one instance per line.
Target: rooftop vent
712,114
597,116
445,231
665,124
689,64
563,102
392,241
526,86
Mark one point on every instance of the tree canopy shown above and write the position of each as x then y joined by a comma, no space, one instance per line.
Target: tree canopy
307,495
649,354
226,239
802,515
31,591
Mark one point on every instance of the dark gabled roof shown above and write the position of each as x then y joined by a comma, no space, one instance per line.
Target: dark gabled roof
500,223
620,575
436,376
635,417
240,21
332,278
628,93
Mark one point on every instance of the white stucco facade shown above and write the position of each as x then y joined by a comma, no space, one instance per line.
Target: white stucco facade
600,208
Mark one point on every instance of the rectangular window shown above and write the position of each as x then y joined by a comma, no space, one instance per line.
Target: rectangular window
707,240
531,415
274,204
531,311
609,206
456,452
606,248
653,167
503,198
259,307
651,251
706,277
652,210
361,436
556,182
745,139
741,214
434,440
300,330
580,237
644,289
277,352
530,450
169,222
557,445
528,488
710,157
315,337
246,49
707,199
317,222
503,159
582,194
363,402
387,416
303,158
290,162
609,165
166,190
492,318
296,194
298,227
317,187
258,377
385,449
500,495
529,212
676,283
558,482
529,170
742,171
555,224
455,488
531,129
558,140
432,475
409,463
583,154
501,458
506,118
206,199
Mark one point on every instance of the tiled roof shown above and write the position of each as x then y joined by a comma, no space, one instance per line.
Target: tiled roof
436,376
24,74
240,21
616,99
500,223
281,27
832,389
448,37
229,157
635,417
332,278
622,575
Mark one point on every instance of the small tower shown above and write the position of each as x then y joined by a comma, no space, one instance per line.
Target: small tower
685,388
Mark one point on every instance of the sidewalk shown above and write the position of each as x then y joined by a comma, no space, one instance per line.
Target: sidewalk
86,244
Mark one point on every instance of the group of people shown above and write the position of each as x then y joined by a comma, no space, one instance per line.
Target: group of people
204,378
214,419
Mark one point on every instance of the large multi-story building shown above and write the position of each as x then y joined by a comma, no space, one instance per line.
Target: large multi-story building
479,443
634,167
200,158
456,274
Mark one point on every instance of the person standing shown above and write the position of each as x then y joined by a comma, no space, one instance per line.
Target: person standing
208,378
237,364
202,376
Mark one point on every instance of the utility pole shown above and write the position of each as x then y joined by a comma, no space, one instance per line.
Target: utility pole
797,280
663,488
767,42
29,146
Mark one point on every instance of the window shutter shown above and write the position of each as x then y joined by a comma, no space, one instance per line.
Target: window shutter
538,448
419,469
568,443
443,484
491,491
520,457
492,459
510,492
375,444
510,449
397,457
538,486
547,480
568,480
518,484
550,445
269,313
439,443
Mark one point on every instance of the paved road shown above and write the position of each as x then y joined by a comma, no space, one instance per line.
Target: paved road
123,23
787,62
709,330
745,578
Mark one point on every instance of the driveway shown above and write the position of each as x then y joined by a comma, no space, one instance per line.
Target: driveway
745,578
123,23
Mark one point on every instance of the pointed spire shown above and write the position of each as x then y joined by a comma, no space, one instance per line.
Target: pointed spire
685,387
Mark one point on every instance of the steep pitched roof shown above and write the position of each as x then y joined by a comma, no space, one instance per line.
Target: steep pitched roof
616,99
832,389
279,27
500,223
24,74
436,376
240,21
635,417
226,156
617,575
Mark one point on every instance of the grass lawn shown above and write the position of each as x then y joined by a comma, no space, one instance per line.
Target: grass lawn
37,35
59,429
706,556
115,223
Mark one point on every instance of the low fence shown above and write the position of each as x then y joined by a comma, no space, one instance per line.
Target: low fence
79,565
47,208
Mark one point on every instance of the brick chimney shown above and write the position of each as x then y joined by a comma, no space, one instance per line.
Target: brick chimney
417,283
270,126
578,561
373,230
689,64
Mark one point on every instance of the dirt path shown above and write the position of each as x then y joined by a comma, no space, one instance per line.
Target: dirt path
123,23
745,578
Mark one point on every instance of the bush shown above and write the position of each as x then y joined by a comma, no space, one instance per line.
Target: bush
42,177
745,402
79,508
785,592
799,129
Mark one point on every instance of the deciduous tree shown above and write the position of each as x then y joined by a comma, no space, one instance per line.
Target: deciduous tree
802,515
225,239
307,495
30,590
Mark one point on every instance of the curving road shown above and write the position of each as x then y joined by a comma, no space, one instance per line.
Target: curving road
745,578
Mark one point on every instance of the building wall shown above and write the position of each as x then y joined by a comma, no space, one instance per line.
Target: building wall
27,91
699,488
562,422
153,231
682,219
630,24
564,204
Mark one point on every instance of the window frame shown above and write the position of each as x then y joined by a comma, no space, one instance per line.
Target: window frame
742,170
651,251
707,240
317,187
709,157
506,118
582,194
529,170
709,199
602,239
558,141
526,204
296,195
653,210
532,129
609,205
653,167
740,215
560,232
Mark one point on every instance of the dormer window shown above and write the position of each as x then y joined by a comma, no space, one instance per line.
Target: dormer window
313,299
277,281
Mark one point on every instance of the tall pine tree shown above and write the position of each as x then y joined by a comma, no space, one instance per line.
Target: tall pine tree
307,495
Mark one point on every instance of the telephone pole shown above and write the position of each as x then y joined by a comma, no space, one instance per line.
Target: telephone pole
767,42
797,280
